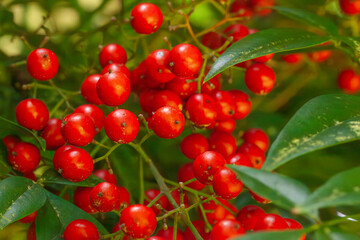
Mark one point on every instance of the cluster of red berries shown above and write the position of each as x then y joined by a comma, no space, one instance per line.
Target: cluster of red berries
350,7
247,8
349,81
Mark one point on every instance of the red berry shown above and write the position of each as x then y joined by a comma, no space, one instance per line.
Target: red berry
169,233
213,40
348,81
211,86
10,141
225,105
88,89
201,110
168,122
293,58
81,229
182,87
112,53
24,157
121,126
249,215
216,212
104,197
124,199
31,232
167,98
253,153
106,176
94,113
260,79
226,185
206,165
184,199
52,134
146,100
350,7
146,18
32,114
185,60
227,126
239,159
261,7
138,77
42,64
257,137
200,227
78,129
320,56
186,173
237,31
30,175
116,67
82,199
155,238
163,201
223,143
156,66
29,218
226,229
113,88
264,59
241,8
193,145
258,198
139,221
270,222
73,163
242,104
295,225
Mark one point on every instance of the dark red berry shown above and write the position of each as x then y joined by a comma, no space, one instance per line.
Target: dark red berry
206,165
116,67
32,114
293,58
42,64
82,199
52,134
260,79
249,215
186,173
270,222
156,66
239,159
226,229
24,157
258,137
106,176
201,110
213,40
226,185
169,233
349,81
350,7
112,53
163,201
242,104
88,89
241,9
31,176
262,7
29,218
104,197
167,98
93,112
146,100
193,145
223,143
227,126
31,232
168,122
10,141
182,86
121,126
81,229
78,129
139,221
253,153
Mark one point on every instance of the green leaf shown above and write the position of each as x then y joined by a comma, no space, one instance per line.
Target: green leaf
354,45
341,190
52,176
322,122
19,198
309,18
5,123
288,235
265,42
283,191
334,235
56,214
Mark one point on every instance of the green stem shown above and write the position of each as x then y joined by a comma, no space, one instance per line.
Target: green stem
61,94
107,154
175,226
97,147
56,107
141,176
202,73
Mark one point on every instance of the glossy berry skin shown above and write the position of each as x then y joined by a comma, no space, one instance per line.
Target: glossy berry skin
81,229
30,175
168,122
186,173
211,86
237,31
112,53
206,165
106,176
104,197
156,66
42,64
253,153
29,218
216,212
262,7
248,216
226,185
88,89
193,145
320,56
146,100
163,201
184,60
293,58
10,141
78,129
349,81
258,137
295,225
258,198
201,110
52,134
121,126
225,105
242,104
260,79
239,159
124,199
242,8
169,233
167,98
116,67
226,229
223,143
183,88
146,18
113,88
200,227
155,238
24,157
31,232
94,113
227,126
82,199
350,7
73,163
213,40
270,222
139,221
32,114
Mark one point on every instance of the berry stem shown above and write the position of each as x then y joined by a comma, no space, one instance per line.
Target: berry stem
141,176
61,94
107,154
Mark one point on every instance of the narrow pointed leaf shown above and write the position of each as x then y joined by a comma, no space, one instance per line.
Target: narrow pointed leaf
52,176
